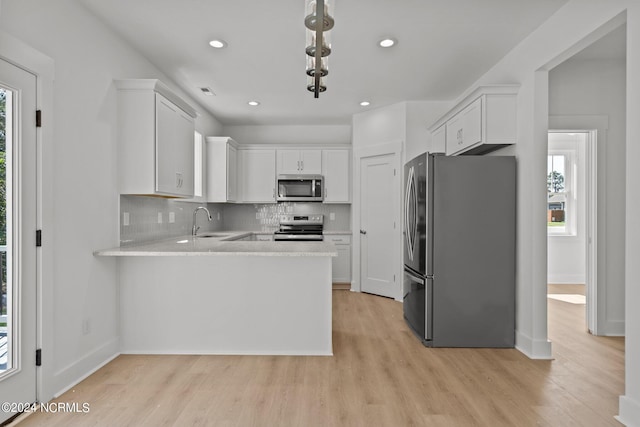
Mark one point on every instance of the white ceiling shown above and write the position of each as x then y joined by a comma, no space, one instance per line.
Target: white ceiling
443,47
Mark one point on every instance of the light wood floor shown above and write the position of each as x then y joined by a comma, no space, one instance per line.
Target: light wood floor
380,375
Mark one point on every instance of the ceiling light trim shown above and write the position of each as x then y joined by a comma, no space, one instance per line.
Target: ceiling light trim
218,43
387,42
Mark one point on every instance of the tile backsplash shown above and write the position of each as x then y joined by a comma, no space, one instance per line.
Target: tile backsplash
154,218
144,219
266,217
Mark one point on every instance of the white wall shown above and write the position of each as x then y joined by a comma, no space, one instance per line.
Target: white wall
82,213
291,134
404,124
592,88
630,401
420,115
566,256
405,121
572,28
379,126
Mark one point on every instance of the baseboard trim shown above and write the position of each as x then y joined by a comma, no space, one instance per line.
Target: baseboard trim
629,412
612,328
230,353
76,372
341,286
533,349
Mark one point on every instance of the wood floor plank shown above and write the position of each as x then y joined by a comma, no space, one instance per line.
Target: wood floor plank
380,375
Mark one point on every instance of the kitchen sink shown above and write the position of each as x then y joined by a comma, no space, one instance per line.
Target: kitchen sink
206,235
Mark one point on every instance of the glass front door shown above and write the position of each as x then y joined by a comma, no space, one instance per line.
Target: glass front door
17,238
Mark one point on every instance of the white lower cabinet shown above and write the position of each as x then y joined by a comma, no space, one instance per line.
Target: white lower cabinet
258,175
341,265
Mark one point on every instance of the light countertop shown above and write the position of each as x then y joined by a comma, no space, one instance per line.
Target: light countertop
222,243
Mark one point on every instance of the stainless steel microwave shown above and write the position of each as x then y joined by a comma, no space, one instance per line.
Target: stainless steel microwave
300,188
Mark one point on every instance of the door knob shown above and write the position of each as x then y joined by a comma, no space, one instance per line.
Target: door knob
363,232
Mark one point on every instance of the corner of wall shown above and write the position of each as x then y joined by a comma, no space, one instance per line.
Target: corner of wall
533,349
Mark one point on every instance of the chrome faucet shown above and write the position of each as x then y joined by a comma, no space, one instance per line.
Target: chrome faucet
194,230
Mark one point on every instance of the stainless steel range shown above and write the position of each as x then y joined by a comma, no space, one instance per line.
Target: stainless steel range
300,228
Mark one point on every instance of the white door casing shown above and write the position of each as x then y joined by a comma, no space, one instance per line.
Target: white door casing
596,309
377,227
18,382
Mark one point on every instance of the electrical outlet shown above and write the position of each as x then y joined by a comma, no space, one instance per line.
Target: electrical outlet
125,218
159,217
218,216
172,217
86,326
332,216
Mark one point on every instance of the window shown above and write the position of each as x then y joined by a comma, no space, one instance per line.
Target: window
561,186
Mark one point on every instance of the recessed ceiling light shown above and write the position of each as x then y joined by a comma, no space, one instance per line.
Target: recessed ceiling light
253,103
218,44
387,42
365,103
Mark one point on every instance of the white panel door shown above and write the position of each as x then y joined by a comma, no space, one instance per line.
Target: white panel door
377,225
17,240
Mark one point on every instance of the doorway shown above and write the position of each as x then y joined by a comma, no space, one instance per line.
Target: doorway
571,226
377,220
17,237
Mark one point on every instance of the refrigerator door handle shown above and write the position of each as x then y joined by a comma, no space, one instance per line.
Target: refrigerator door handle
414,187
415,277
407,217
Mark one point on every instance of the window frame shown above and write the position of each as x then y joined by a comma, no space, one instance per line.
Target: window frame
570,192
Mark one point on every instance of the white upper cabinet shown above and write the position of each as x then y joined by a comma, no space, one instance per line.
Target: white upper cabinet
299,162
482,122
155,140
258,175
222,169
465,129
336,169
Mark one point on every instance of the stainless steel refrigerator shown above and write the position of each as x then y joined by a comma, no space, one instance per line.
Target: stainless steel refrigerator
459,250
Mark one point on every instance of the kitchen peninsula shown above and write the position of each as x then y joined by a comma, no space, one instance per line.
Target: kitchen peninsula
215,294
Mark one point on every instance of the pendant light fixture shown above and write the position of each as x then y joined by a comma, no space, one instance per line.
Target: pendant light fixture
318,22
